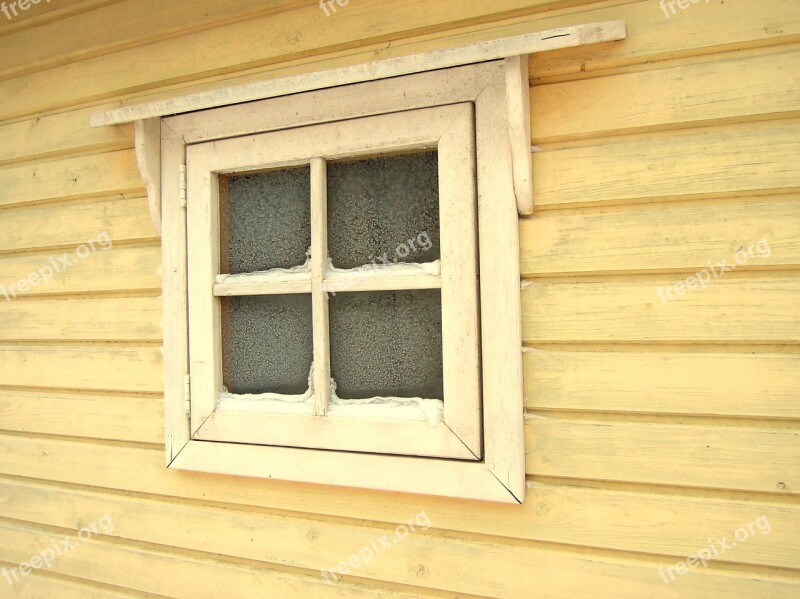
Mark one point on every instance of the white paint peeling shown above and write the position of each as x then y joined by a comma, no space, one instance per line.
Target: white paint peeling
273,274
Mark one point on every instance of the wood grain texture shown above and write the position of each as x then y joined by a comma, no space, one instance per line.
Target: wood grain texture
662,237
86,368
734,159
664,382
763,460
732,309
734,87
83,176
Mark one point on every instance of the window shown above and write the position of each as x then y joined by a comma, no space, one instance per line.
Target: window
341,269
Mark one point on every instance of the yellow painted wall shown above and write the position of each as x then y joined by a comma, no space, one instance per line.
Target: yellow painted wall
652,428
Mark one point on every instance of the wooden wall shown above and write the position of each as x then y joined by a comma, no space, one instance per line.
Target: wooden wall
652,428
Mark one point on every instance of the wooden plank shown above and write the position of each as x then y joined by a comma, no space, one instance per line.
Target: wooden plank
546,568
334,433
732,309
710,27
734,159
554,513
148,159
319,265
665,382
461,309
249,284
730,87
102,319
659,524
36,587
519,122
119,418
85,176
501,343
87,368
191,577
743,458
680,237
175,297
69,224
380,279
128,267
118,25
575,35
53,135
37,16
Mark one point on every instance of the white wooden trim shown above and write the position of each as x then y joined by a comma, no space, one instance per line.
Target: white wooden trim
319,298
459,295
501,311
428,476
338,433
553,39
174,296
519,125
379,280
147,143
285,284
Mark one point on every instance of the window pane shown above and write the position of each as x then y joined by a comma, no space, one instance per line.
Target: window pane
387,344
265,220
384,210
266,344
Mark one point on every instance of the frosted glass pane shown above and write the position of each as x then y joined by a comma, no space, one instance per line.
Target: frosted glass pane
265,220
267,344
384,209
387,344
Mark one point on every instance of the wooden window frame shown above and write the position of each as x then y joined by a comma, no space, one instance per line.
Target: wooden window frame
500,473
447,129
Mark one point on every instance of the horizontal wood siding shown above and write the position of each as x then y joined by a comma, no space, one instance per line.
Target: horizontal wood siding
652,427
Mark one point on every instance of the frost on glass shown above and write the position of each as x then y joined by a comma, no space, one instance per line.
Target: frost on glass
387,344
265,220
384,210
266,344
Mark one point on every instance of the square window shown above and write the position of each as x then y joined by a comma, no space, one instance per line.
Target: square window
351,287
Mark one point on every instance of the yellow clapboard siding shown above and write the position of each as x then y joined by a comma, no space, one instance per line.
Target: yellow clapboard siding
570,515
766,460
553,574
93,175
116,368
37,15
732,87
71,223
158,571
710,383
79,319
726,160
730,309
129,268
706,27
546,515
38,587
660,237
248,44
61,133
93,416
118,24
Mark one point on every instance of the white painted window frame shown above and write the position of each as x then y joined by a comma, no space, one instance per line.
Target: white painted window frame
495,81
